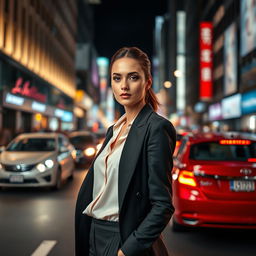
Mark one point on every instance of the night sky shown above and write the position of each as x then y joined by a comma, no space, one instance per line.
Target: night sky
121,23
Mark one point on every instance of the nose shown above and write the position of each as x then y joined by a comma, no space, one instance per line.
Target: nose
124,85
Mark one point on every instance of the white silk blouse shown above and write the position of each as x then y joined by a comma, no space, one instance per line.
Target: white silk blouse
105,183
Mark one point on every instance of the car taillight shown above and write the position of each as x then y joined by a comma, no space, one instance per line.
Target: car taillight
177,143
251,160
187,178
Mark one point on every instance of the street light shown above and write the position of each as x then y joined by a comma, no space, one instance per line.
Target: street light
167,84
177,73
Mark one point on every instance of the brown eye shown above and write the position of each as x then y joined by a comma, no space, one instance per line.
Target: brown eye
134,77
116,78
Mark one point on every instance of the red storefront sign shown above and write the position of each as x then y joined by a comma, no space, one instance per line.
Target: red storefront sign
205,61
24,88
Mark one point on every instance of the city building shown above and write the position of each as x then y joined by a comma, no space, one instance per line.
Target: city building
233,103
37,64
214,76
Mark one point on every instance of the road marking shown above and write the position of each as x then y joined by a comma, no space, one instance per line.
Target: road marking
44,248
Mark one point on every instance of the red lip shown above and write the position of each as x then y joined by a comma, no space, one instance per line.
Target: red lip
125,95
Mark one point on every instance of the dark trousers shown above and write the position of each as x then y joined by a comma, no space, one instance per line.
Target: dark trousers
104,238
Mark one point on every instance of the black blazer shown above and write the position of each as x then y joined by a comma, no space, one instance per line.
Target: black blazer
144,188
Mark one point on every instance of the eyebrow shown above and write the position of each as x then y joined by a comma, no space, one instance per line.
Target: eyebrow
130,73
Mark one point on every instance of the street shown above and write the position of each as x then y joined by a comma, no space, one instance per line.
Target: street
40,222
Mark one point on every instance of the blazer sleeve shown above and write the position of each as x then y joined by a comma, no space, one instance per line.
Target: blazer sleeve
160,148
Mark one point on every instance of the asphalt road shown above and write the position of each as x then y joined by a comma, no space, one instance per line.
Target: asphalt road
40,222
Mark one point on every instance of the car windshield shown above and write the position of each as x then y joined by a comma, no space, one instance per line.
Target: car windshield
82,139
32,144
214,151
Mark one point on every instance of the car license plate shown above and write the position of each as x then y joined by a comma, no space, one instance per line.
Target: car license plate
242,185
16,179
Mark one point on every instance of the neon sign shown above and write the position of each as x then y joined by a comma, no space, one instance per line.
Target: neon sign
205,61
14,99
24,88
38,106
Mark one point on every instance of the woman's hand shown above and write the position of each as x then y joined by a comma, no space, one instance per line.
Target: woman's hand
120,253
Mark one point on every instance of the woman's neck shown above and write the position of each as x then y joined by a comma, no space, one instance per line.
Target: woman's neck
132,112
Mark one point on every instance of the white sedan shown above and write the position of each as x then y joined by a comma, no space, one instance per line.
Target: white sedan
37,160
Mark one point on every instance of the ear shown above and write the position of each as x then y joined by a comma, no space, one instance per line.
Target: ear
149,83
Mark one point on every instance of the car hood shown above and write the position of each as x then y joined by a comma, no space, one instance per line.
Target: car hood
25,157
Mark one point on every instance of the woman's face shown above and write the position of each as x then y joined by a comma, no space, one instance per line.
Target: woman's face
128,82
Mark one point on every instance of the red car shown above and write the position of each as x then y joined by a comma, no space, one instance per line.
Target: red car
214,180
178,141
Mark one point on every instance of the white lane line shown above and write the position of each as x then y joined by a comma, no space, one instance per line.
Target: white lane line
44,248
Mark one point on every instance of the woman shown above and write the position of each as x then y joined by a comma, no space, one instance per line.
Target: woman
125,200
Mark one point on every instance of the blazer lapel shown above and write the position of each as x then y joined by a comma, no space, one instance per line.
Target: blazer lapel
131,152
109,134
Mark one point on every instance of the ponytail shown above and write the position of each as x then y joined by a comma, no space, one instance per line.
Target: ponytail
151,99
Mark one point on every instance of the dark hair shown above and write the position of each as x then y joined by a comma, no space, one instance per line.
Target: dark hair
142,58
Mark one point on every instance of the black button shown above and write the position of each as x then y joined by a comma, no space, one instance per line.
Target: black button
138,195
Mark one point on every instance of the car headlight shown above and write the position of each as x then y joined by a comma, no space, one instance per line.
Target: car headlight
49,163
99,146
42,167
89,151
73,153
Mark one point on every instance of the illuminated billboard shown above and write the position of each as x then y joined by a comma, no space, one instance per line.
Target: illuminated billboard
205,61
248,28
215,112
231,106
230,60
248,102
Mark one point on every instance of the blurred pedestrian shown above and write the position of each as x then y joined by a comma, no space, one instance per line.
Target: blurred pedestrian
125,201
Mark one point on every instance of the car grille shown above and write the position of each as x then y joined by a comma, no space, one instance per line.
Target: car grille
18,167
